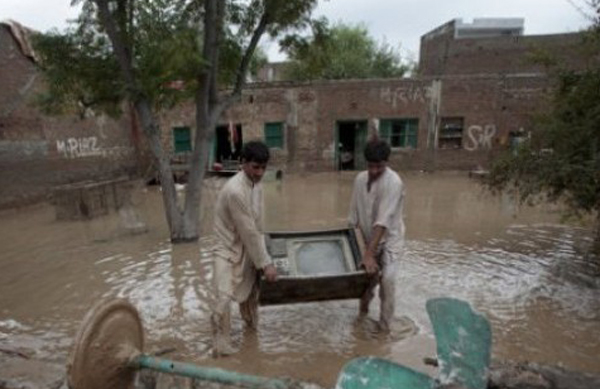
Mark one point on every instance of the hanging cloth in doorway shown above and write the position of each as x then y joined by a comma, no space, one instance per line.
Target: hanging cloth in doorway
232,136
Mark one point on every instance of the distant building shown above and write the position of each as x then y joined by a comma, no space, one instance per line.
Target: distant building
488,27
272,71
477,89
491,46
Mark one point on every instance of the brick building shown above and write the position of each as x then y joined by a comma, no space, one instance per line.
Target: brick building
37,151
476,92
492,46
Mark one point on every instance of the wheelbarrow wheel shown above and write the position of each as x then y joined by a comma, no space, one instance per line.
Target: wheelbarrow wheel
110,336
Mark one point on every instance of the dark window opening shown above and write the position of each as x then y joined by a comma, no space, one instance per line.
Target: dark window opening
451,133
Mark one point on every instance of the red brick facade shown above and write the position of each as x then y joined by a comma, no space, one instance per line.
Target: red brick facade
38,152
491,108
441,53
470,98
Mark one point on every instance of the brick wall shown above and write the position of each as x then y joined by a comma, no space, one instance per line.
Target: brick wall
491,107
442,54
37,151
487,84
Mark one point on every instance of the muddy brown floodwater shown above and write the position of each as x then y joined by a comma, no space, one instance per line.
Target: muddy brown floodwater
527,271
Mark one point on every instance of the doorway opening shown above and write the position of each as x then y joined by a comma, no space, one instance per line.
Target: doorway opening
228,145
351,140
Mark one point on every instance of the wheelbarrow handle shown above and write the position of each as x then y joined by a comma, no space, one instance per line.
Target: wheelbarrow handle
212,374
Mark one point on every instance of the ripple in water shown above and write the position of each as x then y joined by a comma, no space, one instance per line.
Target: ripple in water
532,280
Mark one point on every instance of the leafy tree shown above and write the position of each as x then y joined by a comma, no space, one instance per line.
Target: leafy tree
341,52
561,161
134,50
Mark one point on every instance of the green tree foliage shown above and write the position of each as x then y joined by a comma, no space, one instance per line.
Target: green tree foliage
156,53
165,37
561,161
341,52
80,73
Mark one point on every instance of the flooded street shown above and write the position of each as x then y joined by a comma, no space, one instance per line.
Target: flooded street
522,267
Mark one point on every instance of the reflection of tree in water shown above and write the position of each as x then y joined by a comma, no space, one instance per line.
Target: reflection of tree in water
130,218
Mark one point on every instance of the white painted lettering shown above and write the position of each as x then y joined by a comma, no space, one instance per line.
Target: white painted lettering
94,148
84,147
79,147
486,137
480,137
61,147
403,94
73,147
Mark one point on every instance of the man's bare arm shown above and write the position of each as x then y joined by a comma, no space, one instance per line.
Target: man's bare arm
368,260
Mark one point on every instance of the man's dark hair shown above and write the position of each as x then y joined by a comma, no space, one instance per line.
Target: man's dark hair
377,150
255,151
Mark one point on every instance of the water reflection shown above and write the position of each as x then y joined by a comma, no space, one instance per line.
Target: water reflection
521,267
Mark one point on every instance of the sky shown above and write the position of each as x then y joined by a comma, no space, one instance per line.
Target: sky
400,23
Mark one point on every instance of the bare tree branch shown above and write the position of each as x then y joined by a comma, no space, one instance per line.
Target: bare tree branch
214,92
246,59
581,11
121,50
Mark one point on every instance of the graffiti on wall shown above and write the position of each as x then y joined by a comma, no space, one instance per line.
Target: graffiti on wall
480,137
79,147
403,94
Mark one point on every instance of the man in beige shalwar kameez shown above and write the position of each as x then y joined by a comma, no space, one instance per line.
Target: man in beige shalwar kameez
376,209
242,251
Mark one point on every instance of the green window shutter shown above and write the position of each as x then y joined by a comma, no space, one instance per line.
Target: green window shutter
412,132
274,135
385,130
182,139
402,134
399,132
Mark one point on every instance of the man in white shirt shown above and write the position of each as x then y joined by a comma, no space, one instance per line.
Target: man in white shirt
242,251
376,209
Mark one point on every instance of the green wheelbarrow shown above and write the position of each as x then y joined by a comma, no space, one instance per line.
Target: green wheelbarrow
108,352
463,339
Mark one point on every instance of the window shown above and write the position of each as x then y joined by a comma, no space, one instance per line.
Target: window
400,132
274,135
182,139
451,133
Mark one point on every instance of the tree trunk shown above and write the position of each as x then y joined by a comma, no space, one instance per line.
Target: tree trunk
193,195
198,164
123,49
184,224
597,233
208,111
169,194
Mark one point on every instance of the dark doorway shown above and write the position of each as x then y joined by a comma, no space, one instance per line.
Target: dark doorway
351,138
228,144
